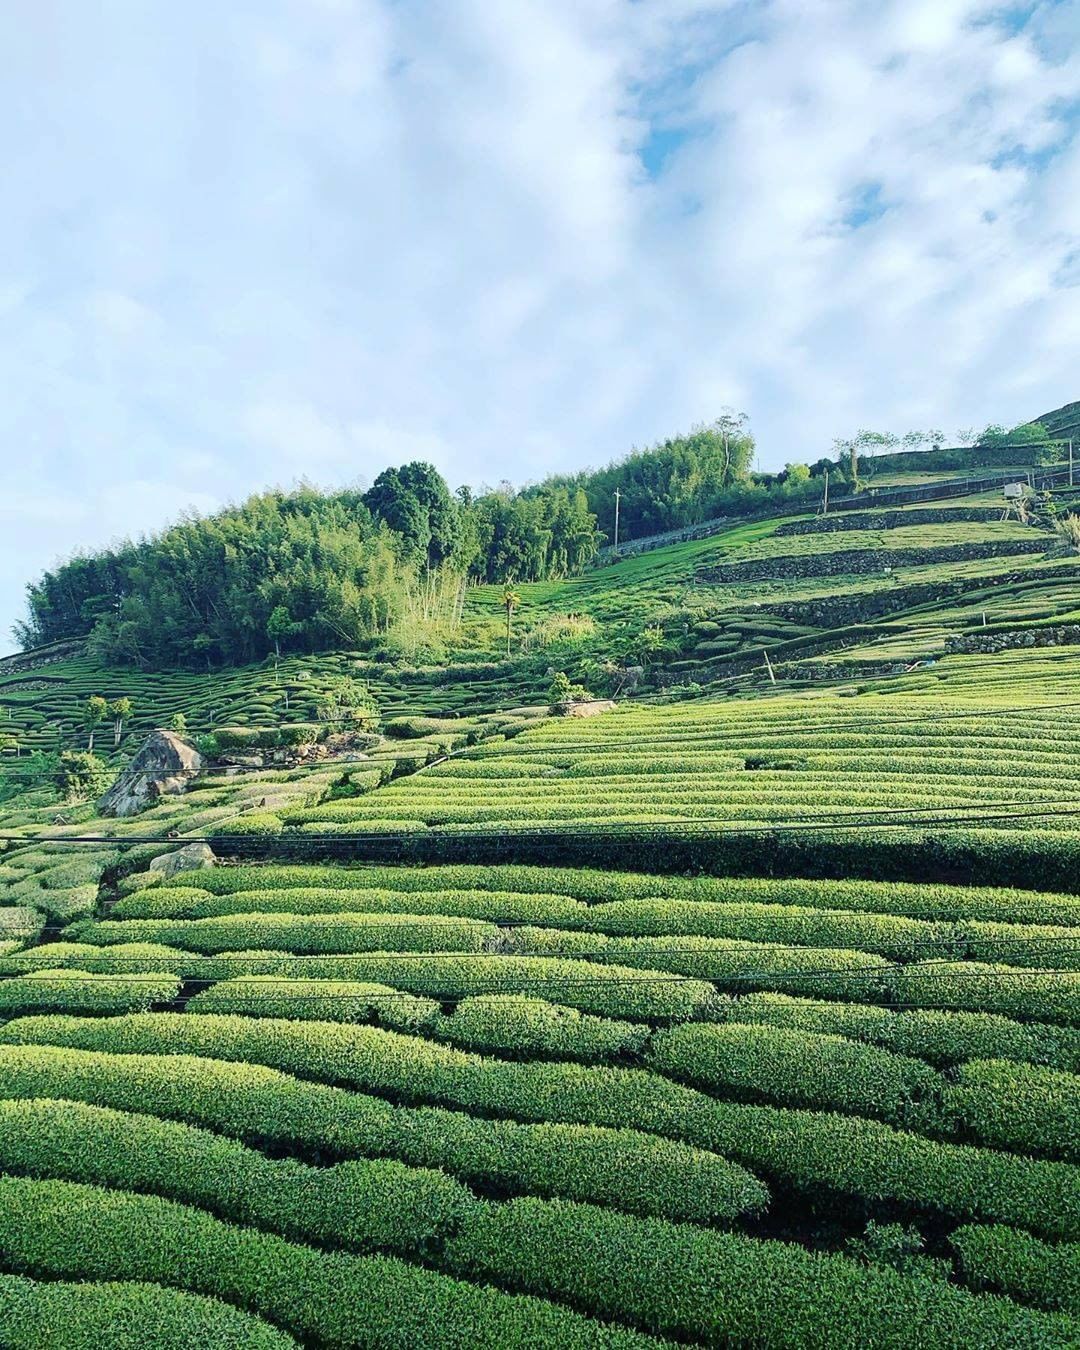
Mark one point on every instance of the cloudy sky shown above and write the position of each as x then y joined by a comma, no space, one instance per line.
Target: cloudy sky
245,242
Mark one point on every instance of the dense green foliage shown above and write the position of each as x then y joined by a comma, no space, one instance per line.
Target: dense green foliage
721,1289
124,1316
64,1229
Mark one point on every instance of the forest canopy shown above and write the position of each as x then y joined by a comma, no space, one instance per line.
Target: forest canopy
308,570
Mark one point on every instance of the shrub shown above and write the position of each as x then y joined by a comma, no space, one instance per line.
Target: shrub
607,990
526,1027
76,991
80,775
625,1168
724,1289
328,933
315,1000
1015,1263
801,1068
62,1229
733,963
980,987
1023,1107
496,906
815,1153
943,1038
257,823
886,935
362,1205
124,1316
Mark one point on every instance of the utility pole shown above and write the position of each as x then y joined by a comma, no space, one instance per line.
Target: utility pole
616,520
1070,462
825,505
768,665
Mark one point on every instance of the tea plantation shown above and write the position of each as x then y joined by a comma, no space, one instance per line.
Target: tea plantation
741,1015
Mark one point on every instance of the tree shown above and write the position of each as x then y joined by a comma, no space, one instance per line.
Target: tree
279,626
511,600
80,774
95,710
415,502
967,436
119,711
178,724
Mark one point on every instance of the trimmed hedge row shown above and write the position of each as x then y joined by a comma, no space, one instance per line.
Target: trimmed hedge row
930,901
607,990
942,1038
762,965
517,1025
318,933
78,991
1011,1262
1044,858
363,1205
1023,1107
816,1153
723,1289
124,1316
175,902
900,938
630,1170
797,1068
980,987
316,1000
62,1229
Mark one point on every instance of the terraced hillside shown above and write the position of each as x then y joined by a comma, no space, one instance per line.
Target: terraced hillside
847,594
577,1096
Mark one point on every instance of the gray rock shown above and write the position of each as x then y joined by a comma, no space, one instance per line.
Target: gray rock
587,708
193,858
162,767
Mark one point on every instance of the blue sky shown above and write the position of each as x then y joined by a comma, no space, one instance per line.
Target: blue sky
250,242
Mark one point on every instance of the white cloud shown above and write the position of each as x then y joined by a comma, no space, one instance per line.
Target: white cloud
310,237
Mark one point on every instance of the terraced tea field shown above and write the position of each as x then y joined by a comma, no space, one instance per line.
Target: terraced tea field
864,589
662,1056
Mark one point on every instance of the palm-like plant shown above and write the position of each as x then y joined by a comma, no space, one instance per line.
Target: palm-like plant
511,600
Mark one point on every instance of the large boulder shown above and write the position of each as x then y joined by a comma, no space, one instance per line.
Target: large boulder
192,858
163,767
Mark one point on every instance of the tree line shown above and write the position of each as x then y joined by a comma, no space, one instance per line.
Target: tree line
302,570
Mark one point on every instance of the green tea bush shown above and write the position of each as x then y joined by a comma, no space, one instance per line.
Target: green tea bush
317,933
723,1289
362,1205
942,1038
800,1068
1029,945
980,987
607,990
524,1027
124,1316
821,1154
730,962
631,1170
256,824
62,1229
898,938
78,991
1023,1107
497,906
20,923
1015,1263
315,1000
932,901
